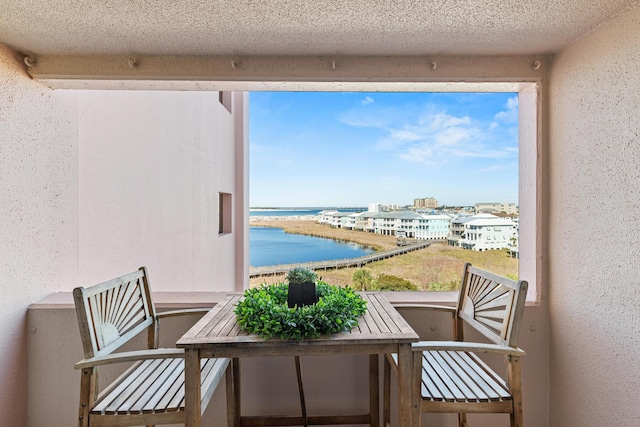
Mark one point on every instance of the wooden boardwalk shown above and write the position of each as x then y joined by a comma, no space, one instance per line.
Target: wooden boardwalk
272,270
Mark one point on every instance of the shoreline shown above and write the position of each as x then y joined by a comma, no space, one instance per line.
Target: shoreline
306,225
436,267
259,218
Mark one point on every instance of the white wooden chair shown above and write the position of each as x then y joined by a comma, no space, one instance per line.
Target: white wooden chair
450,376
151,390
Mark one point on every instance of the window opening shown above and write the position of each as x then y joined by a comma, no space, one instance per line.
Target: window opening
224,213
334,167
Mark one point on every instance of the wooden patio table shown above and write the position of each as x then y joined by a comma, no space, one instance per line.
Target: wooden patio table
381,330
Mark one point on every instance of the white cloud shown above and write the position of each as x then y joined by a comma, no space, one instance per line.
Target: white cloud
438,138
435,137
368,100
510,114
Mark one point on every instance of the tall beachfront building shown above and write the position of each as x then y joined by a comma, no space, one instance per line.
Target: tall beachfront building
425,203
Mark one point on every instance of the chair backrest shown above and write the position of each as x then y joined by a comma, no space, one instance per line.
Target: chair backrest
113,312
491,304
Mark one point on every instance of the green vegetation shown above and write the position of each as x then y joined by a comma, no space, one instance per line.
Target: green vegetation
301,275
363,280
264,311
389,282
436,268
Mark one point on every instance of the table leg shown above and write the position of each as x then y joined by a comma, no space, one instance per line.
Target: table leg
236,391
231,396
405,403
374,391
192,396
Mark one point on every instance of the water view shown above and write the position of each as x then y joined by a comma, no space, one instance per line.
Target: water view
297,211
272,246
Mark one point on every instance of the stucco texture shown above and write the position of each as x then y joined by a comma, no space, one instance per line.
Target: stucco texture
95,184
38,208
594,228
151,167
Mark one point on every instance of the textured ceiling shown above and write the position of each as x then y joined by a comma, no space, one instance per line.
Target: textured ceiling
302,27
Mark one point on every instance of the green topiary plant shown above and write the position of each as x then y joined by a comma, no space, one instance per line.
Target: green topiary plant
263,311
301,275
302,287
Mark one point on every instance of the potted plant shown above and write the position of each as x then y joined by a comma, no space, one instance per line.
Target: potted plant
302,287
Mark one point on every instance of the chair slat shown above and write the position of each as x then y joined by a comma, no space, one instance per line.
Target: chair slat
120,388
492,290
495,386
431,390
156,386
132,308
131,404
120,298
440,380
129,376
473,380
175,393
501,301
161,381
495,326
456,375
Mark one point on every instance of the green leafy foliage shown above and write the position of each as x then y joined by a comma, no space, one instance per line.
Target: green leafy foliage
301,275
389,282
263,311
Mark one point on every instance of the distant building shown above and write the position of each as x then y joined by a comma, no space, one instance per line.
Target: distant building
483,232
426,203
375,207
382,207
507,208
407,223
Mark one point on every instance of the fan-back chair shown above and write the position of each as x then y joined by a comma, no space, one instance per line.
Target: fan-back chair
450,376
151,390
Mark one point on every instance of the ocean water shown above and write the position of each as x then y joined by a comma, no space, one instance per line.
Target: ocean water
297,211
283,212
272,246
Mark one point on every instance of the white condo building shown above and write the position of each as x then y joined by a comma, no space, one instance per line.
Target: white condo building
507,208
413,225
483,232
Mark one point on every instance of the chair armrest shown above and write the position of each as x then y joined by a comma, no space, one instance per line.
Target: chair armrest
420,306
467,346
183,312
130,356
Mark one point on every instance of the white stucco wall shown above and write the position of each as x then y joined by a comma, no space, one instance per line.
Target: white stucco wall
594,223
95,184
38,212
151,167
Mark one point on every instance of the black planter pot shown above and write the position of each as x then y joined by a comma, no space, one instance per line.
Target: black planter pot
301,294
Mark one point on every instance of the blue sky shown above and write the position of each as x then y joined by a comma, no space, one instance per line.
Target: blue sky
354,148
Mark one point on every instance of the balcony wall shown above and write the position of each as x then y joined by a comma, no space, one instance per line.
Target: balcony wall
589,205
95,184
39,215
335,384
593,221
